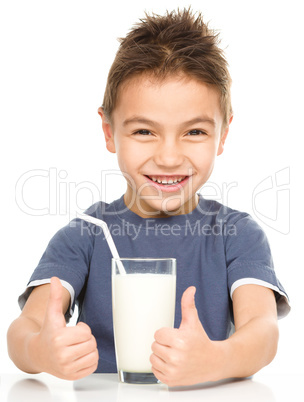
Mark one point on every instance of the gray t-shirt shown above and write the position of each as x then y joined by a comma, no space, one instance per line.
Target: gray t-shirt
217,249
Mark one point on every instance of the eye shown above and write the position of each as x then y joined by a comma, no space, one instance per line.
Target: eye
143,132
196,132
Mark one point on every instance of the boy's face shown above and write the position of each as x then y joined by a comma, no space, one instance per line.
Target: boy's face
166,136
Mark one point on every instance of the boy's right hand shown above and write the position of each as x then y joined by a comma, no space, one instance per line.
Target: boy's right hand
66,352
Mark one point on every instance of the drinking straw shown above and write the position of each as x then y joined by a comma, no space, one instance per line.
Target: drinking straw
109,239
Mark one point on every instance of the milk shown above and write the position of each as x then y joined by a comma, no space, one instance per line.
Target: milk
142,304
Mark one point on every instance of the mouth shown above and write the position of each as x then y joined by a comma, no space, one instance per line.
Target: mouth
167,180
168,183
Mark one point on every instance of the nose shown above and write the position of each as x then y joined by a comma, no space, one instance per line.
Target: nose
169,154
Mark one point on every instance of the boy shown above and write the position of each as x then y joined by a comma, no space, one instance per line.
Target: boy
166,113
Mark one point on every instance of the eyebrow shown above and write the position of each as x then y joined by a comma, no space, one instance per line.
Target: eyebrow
144,120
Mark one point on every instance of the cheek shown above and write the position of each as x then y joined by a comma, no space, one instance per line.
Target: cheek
205,156
128,157
123,162
133,154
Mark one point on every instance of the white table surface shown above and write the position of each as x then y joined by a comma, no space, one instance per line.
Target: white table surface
105,387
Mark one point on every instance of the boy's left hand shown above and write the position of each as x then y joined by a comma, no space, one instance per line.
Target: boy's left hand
186,355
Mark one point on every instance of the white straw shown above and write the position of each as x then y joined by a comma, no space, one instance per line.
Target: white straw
109,239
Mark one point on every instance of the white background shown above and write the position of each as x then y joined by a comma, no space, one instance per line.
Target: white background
55,56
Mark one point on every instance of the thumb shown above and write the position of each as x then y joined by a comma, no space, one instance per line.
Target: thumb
190,317
54,312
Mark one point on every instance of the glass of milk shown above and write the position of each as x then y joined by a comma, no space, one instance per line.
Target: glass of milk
143,300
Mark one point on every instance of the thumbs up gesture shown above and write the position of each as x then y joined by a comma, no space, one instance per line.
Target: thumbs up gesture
66,352
186,355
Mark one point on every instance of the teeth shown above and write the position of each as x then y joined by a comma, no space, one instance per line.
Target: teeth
167,182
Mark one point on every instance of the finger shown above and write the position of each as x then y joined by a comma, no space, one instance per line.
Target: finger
190,317
161,351
83,330
86,363
83,326
84,372
54,313
157,363
166,336
78,334
160,375
76,371
82,349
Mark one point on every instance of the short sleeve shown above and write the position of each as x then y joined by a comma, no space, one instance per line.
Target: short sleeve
249,261
67,256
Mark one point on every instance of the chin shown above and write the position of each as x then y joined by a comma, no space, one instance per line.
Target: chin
170,207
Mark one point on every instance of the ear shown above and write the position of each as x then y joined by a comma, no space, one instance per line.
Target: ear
223,138
107,130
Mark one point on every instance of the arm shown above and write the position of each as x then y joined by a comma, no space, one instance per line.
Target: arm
186,356
254,343
40,341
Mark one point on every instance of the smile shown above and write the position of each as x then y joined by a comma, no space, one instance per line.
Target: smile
167,180
167,183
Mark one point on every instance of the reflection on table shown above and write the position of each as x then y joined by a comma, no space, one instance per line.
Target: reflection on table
105,387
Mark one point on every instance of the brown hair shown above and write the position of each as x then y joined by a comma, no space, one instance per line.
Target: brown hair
178,42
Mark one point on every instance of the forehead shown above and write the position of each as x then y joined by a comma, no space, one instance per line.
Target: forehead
176,98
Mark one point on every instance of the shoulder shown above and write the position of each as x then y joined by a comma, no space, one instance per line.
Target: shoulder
104,210
222,214
237,228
